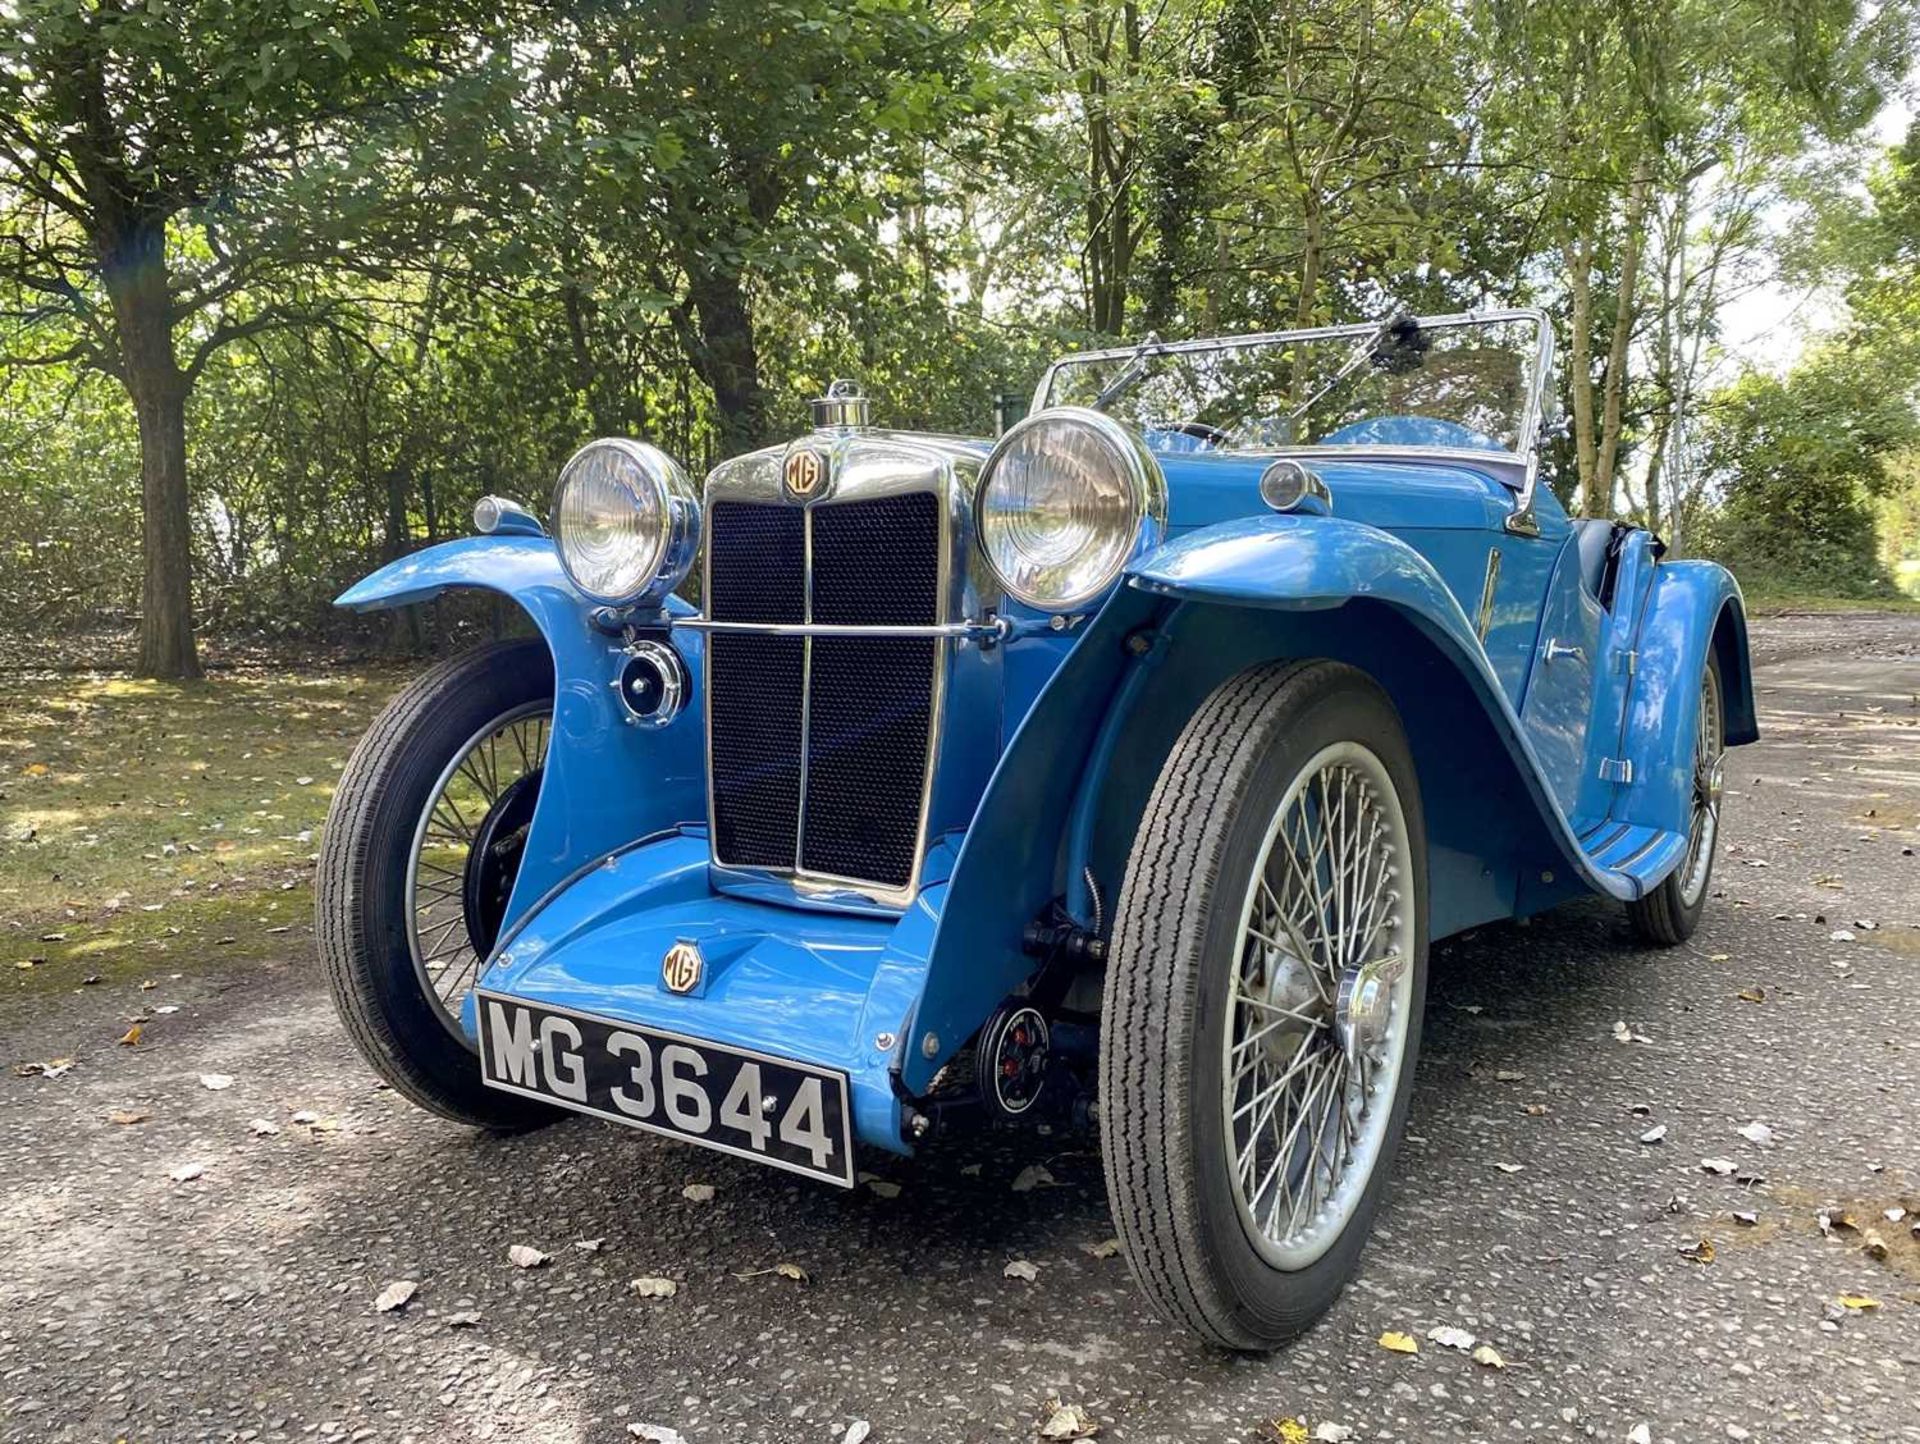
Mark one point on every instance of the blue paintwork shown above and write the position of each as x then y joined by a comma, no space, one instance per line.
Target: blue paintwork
1410,431
605,783
1058,735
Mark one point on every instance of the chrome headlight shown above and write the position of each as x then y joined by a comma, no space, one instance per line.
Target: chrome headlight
1065,500
626,520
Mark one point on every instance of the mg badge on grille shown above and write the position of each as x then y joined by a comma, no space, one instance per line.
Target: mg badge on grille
682,966
806,470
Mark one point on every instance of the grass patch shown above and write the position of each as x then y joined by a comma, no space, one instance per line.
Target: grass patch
1779,604
148,821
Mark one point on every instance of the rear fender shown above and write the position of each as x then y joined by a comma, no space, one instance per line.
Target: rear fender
606,783
1693,606
1209,605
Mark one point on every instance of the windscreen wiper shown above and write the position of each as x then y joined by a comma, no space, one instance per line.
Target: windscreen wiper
1358,357
1130,374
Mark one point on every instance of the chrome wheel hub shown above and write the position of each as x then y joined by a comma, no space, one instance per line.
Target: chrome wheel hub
1363,1009
1317,1017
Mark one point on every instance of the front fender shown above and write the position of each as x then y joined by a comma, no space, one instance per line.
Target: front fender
1200,609
606,783
1694,607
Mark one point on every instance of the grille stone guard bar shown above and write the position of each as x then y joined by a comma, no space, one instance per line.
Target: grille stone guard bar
986,630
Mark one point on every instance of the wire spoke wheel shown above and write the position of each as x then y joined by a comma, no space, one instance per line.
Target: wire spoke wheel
1317,1017
466,852
1708,784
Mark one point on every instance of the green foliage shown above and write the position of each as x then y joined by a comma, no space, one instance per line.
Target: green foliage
405,254
1802,460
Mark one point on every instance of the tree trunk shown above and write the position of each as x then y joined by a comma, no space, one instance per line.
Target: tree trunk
1579,261
1600,495
136,277
727,360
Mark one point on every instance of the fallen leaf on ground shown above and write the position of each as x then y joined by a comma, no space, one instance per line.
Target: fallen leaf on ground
465,1319
1399,1343
1840,935
588,1245
125,1116
1448,1337
216,1081
884,1187
1020,1269
186,1172
131,1037
395,1296
52,1068
1509,1167
1031,1177
1536,1110
698,1193
1508,1075
656,1434
306,1115
1720,1166
792,1271
1859,1303
1331,1433
1639,1434
652,1288
1755,1132
1835,1220
263,1127
1289,1431
1745,1216
1752,995
1489,1356
1894,1214
1701,1252
1067,1421
1654,1134
1106,1248
525,1256
1875,1246
857,1432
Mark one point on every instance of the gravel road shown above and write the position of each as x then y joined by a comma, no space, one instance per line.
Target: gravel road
1529,1211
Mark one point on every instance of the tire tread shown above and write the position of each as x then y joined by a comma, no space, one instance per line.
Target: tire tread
349,868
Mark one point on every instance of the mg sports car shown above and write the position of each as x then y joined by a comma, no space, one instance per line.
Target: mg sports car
1118,770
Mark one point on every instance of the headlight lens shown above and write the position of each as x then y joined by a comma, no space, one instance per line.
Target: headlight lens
1063,504
626,519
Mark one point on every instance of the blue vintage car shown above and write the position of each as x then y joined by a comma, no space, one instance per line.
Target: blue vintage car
1119,771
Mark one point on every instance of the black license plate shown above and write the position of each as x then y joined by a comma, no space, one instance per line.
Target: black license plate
787,1114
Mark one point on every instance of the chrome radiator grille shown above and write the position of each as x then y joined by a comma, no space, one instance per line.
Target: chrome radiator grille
819,746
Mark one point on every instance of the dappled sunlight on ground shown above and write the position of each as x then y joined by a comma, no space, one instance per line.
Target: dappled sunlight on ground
146,825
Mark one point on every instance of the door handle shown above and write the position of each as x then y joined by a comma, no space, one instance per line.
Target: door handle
1557,649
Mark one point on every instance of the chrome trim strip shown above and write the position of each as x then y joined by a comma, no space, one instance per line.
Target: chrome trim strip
1483,619
987,627
1520,520
1639,852
806,675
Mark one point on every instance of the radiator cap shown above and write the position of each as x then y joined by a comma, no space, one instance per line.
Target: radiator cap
842,407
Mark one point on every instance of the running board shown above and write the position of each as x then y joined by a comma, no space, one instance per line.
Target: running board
1639,856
